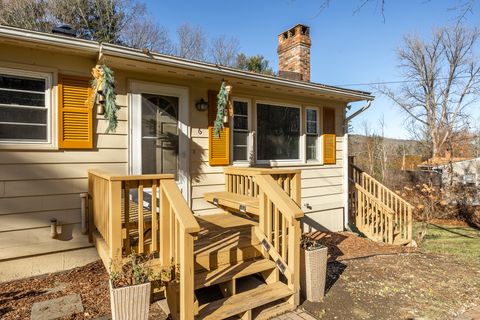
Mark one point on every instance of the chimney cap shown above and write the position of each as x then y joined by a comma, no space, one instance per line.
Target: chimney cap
64,29
303,29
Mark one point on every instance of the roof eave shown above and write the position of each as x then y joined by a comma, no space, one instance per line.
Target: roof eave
48,39
129,53
95,48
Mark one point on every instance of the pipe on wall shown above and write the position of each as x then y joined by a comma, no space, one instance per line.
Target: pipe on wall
83,206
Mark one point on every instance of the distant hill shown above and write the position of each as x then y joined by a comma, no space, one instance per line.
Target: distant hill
401,154
357,143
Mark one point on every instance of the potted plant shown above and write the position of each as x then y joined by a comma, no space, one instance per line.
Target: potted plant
313,263
130,289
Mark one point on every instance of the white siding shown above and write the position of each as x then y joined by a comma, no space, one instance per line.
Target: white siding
322,185
37,185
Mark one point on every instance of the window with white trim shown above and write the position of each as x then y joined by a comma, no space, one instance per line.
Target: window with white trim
278,132
311,130
24,107
241,130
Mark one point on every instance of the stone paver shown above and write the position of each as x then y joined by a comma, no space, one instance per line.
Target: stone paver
59,286
57,308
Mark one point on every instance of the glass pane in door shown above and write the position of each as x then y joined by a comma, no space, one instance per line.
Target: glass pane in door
159,134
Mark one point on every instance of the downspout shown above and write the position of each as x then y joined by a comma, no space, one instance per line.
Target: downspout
356,113
345,162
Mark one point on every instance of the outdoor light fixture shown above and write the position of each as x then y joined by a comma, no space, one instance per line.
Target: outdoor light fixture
201,105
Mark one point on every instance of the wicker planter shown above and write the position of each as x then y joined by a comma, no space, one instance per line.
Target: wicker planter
132,302
314,273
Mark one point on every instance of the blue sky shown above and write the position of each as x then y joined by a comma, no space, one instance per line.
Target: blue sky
347,47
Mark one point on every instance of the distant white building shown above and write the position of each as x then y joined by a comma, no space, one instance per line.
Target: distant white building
455,170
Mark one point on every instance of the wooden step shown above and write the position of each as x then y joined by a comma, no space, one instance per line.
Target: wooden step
225,239
229,272
233,201
245,301
401,242
270,311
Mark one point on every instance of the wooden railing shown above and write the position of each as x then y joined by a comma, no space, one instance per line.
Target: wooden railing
128,218
377,203
279,229
279,218
242,181
373,218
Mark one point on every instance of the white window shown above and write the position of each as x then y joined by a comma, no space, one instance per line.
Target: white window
311,130
241,131
25,111
278,132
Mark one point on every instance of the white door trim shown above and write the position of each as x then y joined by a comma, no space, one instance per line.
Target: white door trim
136,88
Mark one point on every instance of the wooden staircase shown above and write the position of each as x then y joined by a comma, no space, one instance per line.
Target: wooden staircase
229,262
243,263
379,213
255,245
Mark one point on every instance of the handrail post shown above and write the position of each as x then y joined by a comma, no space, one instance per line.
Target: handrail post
262,218
90,224
186,276
115,221
294,234
297,188
390,229
410,223
164,228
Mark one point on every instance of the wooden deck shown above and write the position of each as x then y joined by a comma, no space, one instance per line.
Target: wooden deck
237,253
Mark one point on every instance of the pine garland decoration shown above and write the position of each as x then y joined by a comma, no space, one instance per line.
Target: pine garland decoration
104,84
222,100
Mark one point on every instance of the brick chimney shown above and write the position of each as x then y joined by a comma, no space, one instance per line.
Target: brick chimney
294,53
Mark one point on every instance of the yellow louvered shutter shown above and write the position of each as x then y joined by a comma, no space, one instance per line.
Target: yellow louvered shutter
218,148
329,137
75,119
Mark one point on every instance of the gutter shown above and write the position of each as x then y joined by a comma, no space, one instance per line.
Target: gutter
48,39
102,49
135,54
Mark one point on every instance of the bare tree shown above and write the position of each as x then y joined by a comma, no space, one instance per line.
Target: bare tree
26,14
100,20
384,151
442,81
371,147
191,42
144,33
224,51
462,7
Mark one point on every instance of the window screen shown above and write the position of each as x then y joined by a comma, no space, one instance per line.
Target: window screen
23,111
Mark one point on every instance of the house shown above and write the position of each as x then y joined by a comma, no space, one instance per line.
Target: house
454,170
51,137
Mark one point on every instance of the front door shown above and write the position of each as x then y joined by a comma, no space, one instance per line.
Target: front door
159,131
159,134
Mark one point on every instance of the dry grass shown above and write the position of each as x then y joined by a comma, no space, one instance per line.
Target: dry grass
462,242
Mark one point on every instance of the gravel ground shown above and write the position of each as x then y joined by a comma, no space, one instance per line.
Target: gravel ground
366,280
402,286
